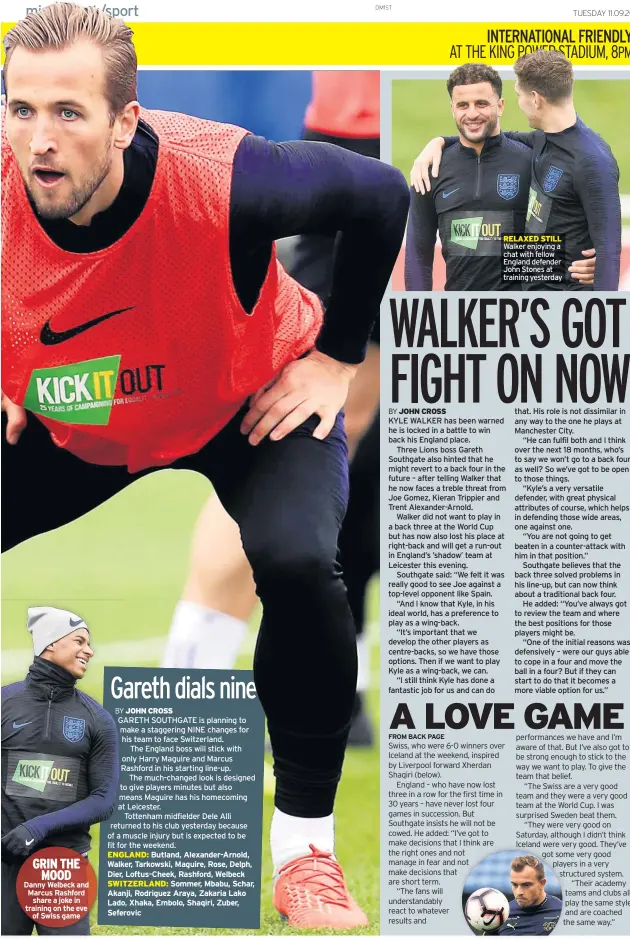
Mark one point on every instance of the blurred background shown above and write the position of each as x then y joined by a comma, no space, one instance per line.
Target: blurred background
421,110
268,103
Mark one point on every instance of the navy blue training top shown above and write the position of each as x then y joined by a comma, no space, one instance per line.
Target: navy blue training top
535,921
575,192
59,758
476,200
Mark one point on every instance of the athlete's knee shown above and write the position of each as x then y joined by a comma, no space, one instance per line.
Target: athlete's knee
302,567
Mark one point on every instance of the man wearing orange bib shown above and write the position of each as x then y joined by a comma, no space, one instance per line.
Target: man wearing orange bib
210,622
147,323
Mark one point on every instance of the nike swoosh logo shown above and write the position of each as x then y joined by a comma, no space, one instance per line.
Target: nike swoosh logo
75,623
50,337
29,841
23,725
446,195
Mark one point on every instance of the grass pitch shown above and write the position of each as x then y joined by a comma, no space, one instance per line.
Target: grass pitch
122,568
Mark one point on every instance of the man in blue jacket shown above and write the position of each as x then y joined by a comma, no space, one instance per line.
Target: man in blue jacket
59,757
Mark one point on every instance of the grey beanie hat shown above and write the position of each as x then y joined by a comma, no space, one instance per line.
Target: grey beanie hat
48,624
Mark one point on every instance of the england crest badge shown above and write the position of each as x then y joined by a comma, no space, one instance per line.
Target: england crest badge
508,185
552,178
73,729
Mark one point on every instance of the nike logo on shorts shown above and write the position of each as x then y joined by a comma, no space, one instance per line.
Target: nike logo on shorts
50,337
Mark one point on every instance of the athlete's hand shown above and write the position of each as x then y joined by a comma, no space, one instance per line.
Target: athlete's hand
16,419
584,269
430,156
18,843
316,384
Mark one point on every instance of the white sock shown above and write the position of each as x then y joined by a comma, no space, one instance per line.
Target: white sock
201,638
292,836
363,654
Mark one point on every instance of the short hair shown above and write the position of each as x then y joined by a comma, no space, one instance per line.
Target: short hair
528,861
471,74
546,71
62,24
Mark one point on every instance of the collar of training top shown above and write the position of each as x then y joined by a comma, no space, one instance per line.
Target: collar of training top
44,676
489,144
578,125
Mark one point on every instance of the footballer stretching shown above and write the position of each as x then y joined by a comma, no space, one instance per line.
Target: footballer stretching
149,324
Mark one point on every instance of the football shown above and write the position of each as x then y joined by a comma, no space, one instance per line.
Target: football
487,909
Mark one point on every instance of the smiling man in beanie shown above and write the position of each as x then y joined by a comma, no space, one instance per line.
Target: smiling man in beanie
59,757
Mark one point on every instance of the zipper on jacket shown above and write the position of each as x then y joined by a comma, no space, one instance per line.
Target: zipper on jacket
478,182
50,698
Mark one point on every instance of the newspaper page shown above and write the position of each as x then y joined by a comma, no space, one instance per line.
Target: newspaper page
216,717
504,677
